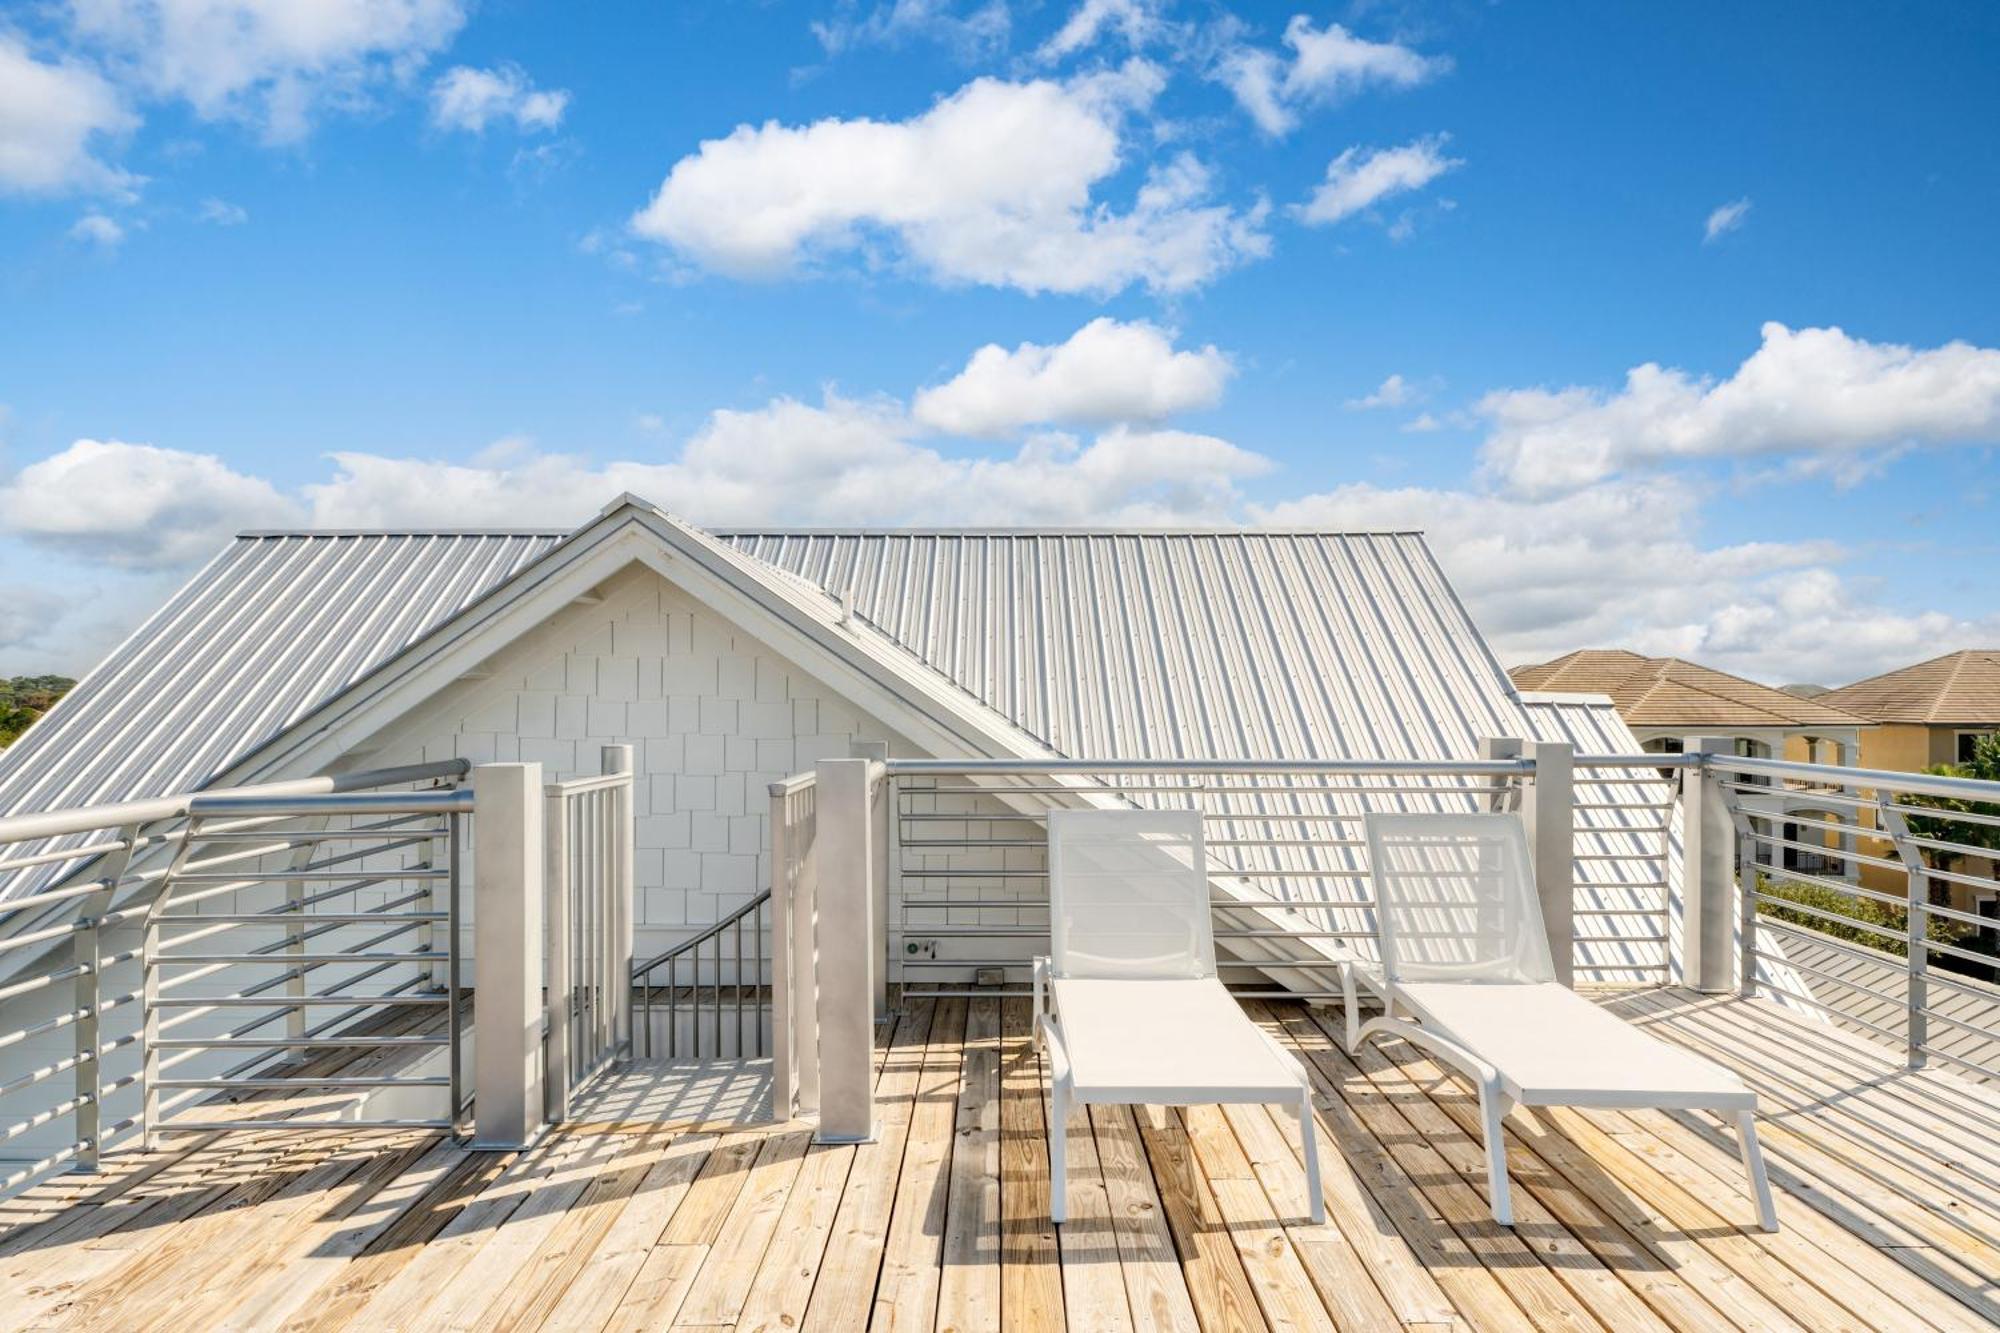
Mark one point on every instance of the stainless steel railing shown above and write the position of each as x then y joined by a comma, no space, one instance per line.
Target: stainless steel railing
968,872
285,889
1891,943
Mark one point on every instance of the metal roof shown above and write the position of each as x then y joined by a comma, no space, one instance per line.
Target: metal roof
1100,644
268,630
1176,644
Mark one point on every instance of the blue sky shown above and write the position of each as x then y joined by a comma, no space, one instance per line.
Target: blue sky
1675,326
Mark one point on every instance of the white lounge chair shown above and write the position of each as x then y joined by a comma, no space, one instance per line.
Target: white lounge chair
1128,1005
1465,973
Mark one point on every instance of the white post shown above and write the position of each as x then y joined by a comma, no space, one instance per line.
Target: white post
1549,810
557,949
507,954
625,888
847,958
883,795
1708,878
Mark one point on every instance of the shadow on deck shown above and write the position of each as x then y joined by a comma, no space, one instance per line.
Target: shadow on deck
665,1202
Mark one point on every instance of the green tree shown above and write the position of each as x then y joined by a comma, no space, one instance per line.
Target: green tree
25,698
1949,824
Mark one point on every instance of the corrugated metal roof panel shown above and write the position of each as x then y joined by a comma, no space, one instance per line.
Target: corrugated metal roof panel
273,627
1180,645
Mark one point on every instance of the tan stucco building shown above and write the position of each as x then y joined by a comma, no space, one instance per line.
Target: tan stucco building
1668,702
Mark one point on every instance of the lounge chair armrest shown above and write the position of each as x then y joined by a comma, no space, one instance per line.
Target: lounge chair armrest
1451,1052
1042,968
1050,1037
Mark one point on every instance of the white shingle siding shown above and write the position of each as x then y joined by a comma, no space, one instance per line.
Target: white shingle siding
713,716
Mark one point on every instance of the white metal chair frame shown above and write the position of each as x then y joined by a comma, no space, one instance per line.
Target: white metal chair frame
1497,1092
1195,965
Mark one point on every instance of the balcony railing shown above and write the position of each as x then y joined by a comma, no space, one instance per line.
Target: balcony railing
197,946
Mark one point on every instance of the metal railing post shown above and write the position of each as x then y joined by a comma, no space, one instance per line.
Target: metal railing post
1916,978
88,956
1549,810
847,942
507,954
1711,912
624,889
1501,747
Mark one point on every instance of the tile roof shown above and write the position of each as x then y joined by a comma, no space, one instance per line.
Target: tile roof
1670,692
1961,687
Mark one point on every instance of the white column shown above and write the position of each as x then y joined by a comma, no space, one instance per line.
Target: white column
507,954
1549,810
847,943
1708,877
878,867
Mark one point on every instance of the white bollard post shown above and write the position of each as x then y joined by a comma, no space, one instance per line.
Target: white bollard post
507,954
1549,810
847,961
1708,879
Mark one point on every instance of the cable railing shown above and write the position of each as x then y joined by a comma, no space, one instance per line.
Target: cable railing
1626,861
1890,942
967,858
205,946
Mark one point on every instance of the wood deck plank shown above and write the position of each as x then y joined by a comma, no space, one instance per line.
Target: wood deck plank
1031,1280
906,1288
1224,1301
1156,1291
1178,1220
969,1286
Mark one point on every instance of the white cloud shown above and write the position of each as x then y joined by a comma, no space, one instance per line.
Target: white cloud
1817,393
1106,371
464,98
1392,392
98,230
993,185
1725,219
1325,65
842,461
1360,178
1618,564
270,63
136,505
978,30
53,119
1134,20
222,213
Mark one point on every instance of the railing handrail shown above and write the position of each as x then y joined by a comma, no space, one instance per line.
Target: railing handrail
88,818
1209,767
689,944
1921,784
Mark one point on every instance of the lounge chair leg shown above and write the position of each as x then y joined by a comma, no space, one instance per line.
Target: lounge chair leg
1753,1166
1059,1152
1309,1136
1492,1110
1351,1003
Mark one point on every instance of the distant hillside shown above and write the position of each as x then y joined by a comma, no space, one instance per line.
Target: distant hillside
1806,691
25,698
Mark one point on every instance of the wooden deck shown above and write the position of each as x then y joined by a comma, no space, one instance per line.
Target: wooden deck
638,1217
